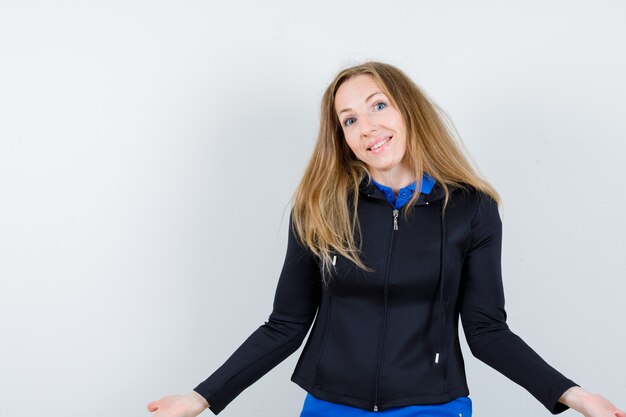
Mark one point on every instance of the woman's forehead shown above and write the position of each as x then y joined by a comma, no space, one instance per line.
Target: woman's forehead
356,91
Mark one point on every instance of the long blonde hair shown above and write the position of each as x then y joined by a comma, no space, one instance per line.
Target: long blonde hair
322,218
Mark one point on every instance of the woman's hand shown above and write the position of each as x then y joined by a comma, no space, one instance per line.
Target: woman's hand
590,405
188,405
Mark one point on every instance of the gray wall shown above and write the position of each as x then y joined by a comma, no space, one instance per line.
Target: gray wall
148,151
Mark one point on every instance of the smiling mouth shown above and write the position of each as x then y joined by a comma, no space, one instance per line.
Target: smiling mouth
380,144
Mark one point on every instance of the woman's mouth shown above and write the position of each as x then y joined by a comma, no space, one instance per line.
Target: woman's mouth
380,146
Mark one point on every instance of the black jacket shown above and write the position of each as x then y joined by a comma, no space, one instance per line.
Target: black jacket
390,338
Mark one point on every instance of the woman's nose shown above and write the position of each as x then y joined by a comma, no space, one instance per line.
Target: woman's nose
368,124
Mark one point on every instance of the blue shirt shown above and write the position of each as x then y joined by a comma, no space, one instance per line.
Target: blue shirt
462,407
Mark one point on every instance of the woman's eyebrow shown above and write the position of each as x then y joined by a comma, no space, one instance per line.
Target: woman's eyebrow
370,96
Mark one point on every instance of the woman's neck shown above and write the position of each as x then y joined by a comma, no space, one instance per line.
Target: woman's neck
394,179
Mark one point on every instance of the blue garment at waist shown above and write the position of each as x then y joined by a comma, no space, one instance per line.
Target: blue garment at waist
459,407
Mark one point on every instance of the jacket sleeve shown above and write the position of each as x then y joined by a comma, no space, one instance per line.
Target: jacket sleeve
484,318
295,304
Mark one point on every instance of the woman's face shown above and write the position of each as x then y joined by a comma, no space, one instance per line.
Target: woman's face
374,129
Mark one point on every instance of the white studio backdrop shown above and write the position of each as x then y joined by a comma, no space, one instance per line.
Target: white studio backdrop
148,151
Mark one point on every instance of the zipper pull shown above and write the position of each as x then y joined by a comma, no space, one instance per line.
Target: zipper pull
395,219
375,408
437,358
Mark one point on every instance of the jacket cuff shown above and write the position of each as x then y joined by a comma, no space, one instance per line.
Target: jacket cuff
215,405
552,403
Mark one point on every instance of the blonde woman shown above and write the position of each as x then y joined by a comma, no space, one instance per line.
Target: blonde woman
393,237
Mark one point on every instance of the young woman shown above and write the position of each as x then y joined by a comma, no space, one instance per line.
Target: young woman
392,237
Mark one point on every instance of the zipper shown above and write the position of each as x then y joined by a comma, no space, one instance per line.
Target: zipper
384,329
395,219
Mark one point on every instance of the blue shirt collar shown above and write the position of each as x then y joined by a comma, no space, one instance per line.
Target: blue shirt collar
405,193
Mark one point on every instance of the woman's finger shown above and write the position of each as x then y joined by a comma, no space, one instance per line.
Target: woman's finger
153,405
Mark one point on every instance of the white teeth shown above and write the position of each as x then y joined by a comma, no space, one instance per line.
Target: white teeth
381,143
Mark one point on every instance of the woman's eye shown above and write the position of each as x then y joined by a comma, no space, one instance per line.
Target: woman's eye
379,106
